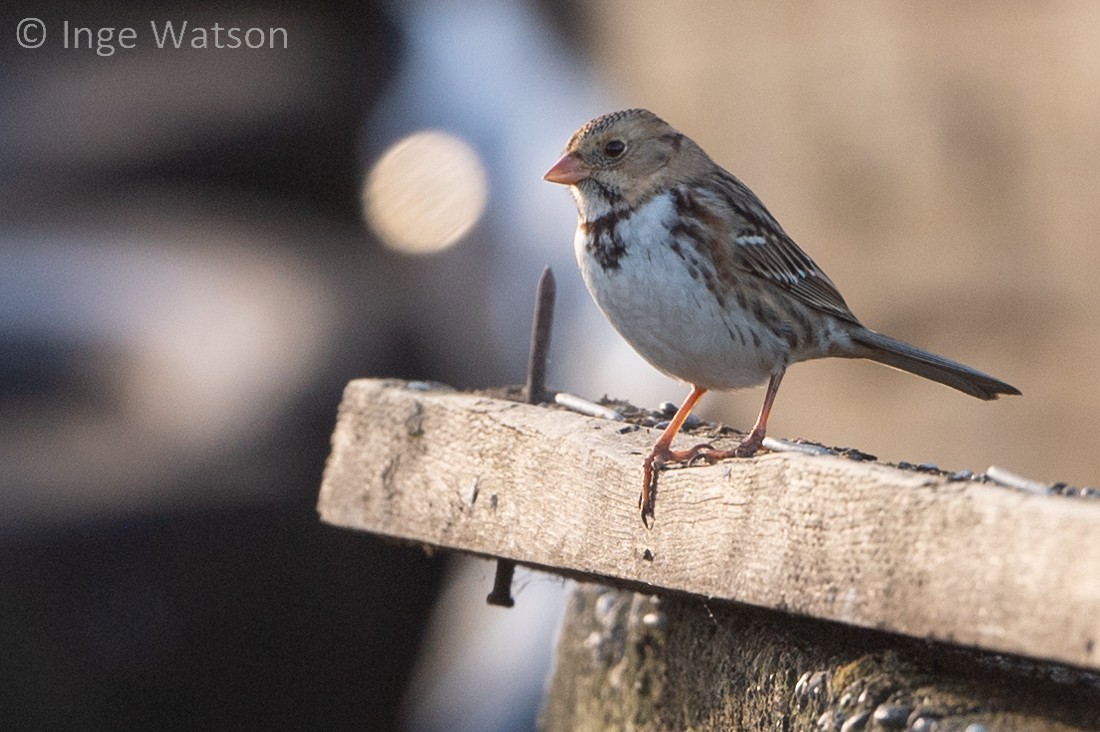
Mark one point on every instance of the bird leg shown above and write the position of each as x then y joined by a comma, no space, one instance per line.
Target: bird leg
662,452
748,446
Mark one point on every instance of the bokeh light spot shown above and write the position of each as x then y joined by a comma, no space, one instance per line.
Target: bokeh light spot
425,192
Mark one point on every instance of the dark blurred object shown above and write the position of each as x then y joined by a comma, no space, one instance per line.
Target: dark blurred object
279,123
185,286
248,618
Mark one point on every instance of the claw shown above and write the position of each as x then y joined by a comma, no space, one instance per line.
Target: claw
652,464
703,452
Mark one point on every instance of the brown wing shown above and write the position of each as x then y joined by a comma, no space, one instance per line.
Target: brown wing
759,245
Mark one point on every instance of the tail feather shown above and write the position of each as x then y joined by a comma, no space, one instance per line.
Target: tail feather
901,355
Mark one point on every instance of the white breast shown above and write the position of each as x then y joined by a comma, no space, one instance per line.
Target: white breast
667,314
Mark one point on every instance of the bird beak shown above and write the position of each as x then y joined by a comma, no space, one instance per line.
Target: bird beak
567,171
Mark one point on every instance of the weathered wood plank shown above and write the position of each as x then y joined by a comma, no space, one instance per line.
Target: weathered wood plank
642,662
860,543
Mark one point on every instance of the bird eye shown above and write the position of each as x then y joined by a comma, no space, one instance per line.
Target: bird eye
614,148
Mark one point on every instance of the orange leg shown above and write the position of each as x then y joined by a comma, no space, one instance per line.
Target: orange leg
752,443
662,452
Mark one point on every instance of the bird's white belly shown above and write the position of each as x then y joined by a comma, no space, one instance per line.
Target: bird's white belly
668,315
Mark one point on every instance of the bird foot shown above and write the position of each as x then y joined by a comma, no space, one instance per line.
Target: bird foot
746,448
661,455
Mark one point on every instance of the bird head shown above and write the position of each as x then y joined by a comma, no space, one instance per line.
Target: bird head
627,155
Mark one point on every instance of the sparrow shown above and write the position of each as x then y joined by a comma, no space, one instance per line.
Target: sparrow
702,281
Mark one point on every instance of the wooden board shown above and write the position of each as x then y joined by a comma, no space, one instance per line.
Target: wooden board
827,537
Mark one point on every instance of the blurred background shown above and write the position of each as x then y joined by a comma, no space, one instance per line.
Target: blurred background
200,246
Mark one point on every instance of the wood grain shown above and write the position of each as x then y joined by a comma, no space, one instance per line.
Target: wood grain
861,543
